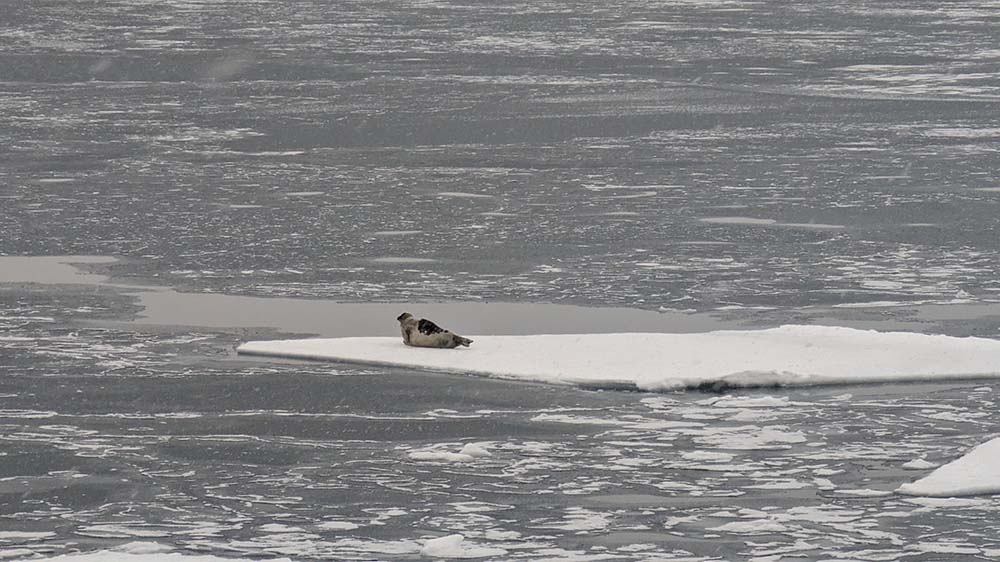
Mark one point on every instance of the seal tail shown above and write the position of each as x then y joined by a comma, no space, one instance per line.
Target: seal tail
462,341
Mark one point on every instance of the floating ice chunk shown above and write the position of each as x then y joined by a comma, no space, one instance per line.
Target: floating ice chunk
755,527
824,484
143,548
475,450
278,528
707,456
865,493
749,402
439,456
580,520
24,536
402,260
737,220
789,355
454,546
464,195
337,526
976,473
478,507
944,548
749,437
469,452
918,464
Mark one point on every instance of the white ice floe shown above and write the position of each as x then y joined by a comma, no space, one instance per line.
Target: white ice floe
454,546
976,473
788,355
468,453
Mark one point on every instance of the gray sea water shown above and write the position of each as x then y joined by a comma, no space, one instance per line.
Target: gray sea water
229,170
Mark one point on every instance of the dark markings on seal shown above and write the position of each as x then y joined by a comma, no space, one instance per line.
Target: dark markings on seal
427,327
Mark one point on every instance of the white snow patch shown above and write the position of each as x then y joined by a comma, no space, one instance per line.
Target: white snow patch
976,473
788,355
454,546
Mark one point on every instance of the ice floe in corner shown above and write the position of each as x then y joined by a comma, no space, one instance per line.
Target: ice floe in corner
787,356
975,474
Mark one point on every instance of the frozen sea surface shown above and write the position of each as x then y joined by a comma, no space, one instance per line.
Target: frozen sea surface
689,155
765,162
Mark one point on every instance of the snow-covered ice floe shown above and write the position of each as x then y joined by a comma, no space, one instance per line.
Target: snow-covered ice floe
788,355
977,473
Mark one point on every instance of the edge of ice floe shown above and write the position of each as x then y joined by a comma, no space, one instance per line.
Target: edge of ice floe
247,349
789,356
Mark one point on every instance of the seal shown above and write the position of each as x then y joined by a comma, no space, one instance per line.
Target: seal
424,333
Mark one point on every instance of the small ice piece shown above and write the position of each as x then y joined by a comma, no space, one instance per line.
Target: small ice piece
439,456
475,450
337,526
706,456
25,536
976,473
469,452
865,493
278,528
824,484
454,546
918,464
754,527
138,547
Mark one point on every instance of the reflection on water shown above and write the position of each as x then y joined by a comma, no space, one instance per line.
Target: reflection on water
164,306
49,269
